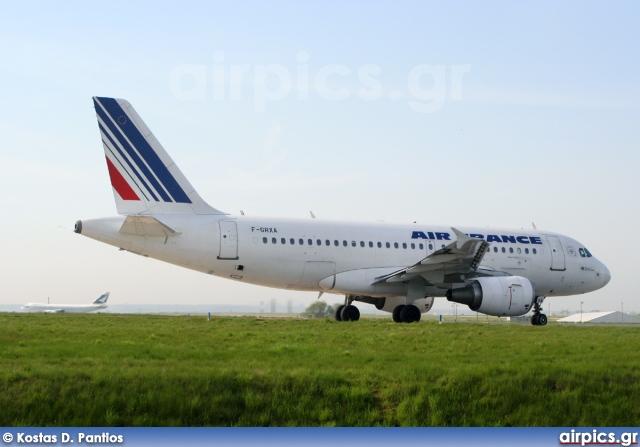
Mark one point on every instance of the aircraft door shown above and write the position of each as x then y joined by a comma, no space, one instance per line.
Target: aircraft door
557,253
228,240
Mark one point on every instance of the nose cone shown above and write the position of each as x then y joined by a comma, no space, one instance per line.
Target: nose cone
605,274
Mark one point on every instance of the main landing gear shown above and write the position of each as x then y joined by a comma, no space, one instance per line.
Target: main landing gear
538,318
406,313
403,313
347,311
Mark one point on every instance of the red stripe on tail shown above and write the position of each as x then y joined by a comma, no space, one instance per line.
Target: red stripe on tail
120,184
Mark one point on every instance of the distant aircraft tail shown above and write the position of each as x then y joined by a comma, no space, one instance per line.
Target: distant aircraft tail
145,179
102,299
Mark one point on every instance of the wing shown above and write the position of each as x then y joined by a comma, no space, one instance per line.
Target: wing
458,262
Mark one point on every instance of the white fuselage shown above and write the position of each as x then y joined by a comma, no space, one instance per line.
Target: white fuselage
398,268
66,308
346,257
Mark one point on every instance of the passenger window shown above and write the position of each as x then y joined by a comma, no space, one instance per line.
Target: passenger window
292,241
495,249
388,245
362,243
309,241
274,240
344,243
370,244
430,246
404,245
318,241
395,245
503,250
379,244
413,246
264,239
336,243
519,250
526,251
534,251
353,243
421,246
510,249
327,242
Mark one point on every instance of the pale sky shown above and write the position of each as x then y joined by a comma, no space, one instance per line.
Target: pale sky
458,113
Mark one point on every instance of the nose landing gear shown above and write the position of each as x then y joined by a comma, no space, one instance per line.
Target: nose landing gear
538,318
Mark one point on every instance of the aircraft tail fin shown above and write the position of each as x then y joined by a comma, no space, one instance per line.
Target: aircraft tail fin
144,178
102,299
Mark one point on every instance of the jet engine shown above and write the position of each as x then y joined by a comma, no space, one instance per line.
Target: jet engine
498,296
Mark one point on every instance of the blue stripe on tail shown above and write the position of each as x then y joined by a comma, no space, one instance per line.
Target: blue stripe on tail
133,169
145,150
132,154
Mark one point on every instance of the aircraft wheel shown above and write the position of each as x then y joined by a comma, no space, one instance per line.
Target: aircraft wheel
534,319
410,313
338,312
350,313
396,313
542,319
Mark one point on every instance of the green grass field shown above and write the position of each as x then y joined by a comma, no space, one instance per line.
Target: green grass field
141,370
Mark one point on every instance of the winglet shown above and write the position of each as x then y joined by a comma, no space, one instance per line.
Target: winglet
461,238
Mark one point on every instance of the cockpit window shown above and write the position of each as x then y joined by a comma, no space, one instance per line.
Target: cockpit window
585,253
588,253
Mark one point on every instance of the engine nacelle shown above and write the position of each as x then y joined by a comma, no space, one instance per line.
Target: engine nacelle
497,295
390,303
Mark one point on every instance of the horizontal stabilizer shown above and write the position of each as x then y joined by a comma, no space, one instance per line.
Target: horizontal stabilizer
146,226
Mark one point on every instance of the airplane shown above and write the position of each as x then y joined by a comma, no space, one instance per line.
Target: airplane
99,303
398,268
